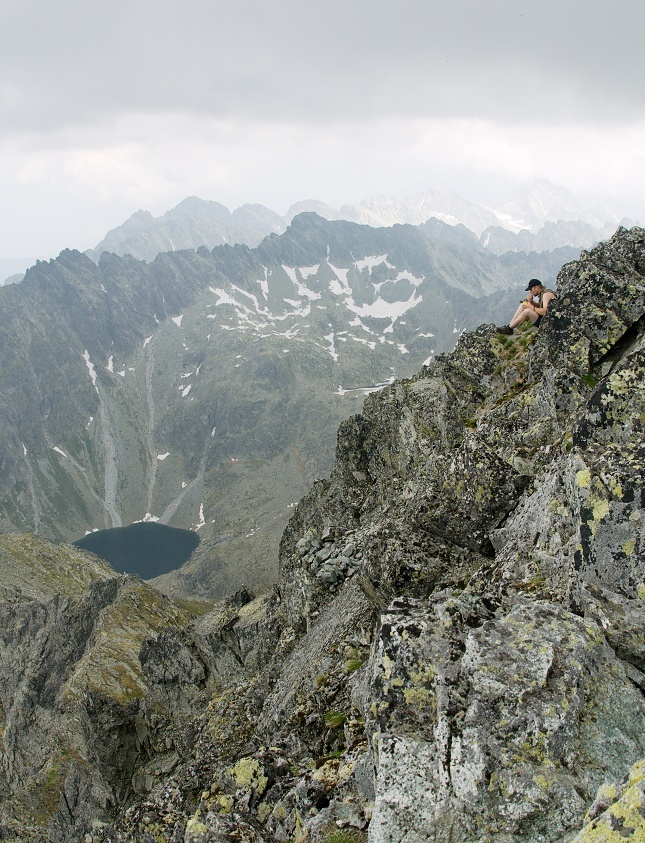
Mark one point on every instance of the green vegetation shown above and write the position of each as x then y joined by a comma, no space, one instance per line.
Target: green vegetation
196,608
590,380
335,719
353,659
346,835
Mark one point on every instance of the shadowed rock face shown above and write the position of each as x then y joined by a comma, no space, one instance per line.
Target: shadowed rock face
455,647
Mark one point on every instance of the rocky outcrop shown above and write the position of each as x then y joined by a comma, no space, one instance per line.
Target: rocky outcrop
454,650
72,685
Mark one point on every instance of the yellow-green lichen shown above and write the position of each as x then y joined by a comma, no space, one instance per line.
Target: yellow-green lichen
196,826
616,488
426,674
248,773
418,697
264,811
387,663
583,478
628,547
225,803
600,509
622,820
280,812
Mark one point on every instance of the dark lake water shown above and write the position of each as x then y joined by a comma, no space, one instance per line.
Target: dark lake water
147,549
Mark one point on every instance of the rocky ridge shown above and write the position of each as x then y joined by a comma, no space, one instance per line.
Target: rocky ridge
454,649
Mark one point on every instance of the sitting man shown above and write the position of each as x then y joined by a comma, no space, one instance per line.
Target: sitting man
533,307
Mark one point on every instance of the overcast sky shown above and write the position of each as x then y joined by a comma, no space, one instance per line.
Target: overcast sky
109,106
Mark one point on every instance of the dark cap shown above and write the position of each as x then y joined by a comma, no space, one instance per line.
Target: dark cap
534,283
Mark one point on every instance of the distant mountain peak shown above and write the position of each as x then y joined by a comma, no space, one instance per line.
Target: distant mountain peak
196,222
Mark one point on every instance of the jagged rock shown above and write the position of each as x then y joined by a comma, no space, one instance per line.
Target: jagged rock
618,812
479,730
73,688
473,668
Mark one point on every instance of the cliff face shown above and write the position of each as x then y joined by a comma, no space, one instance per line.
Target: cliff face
455,650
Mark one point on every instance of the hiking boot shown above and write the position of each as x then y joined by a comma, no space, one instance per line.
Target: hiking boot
506,330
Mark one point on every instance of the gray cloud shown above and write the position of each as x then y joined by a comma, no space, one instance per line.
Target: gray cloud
73,63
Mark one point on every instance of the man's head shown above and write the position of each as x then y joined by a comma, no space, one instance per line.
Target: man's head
534,284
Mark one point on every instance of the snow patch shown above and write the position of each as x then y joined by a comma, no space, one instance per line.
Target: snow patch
202,522
341,287
381,309
305,292
186,390
223,297
369,343
292,273
366,390
147,340
177,320
408,276
248,295
371,261
264,284
59,451
162,457
90,368
332,347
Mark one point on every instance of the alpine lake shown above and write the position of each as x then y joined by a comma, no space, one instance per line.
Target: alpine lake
147,549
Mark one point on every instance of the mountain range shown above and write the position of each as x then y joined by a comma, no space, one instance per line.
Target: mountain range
454,649
539,217
536,217
204,389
